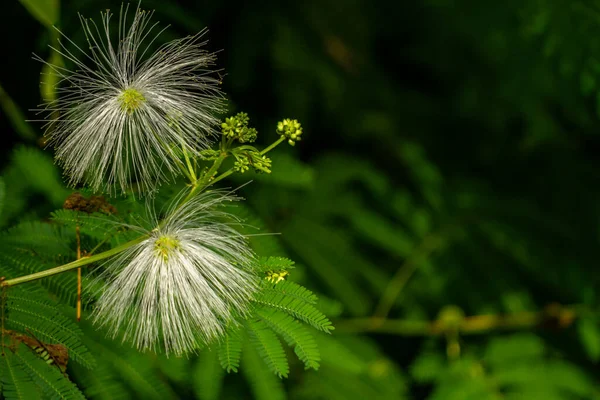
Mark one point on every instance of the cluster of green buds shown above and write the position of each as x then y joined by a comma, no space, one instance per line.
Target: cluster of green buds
247,159
210,154
290,129
236,127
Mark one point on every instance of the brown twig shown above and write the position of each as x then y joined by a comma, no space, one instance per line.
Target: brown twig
78,235
554,315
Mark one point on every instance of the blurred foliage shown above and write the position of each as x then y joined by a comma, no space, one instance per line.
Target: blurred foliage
445,192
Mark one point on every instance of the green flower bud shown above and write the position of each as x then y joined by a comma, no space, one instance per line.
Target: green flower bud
290,129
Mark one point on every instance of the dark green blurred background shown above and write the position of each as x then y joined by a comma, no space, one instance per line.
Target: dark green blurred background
450,147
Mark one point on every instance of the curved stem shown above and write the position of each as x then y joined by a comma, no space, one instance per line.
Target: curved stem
72,265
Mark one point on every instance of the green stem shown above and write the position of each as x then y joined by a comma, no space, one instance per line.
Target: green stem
206,182
72,265
205,179
272,146
222,176
230,170
189,165
428,245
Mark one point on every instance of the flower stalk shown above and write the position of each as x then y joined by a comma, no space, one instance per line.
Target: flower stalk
72,265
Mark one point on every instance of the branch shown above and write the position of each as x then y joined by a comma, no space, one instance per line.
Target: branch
552,315
72,265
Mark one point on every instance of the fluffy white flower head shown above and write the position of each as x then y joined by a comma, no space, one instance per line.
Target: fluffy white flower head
179,288
122,117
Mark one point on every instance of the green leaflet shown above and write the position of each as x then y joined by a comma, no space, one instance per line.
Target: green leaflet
290,290
269,347
126,365
230,350
50,380
102,383
16,383
589,334
2,195
296,301
295,334
264,384
97,225
37,168
45,11
42,238
28,310
266,264
279,311
208,376
16,263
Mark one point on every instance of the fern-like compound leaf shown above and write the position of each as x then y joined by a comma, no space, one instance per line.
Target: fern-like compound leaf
208,376
266,264
295,334
16,384
29,311
264,385
97,225
296,301
39,237
230,350
18,263
47,377
269,347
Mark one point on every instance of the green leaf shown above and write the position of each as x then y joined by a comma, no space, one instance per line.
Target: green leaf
2,189
230,350
16,383
266,264
296,301
338,355
295,334
138,370
37,167
208,376
16,117
589,334
264,385
50,78
321,251
518,347
101,383
427,367
48,377
291,290
20,263
97,225
30,311
45,11
39,237
269,347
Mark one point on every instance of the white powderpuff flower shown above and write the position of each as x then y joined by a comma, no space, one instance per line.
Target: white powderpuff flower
179,288
121,117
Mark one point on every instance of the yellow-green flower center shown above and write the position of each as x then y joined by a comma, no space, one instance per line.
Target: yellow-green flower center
165,245
131,99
